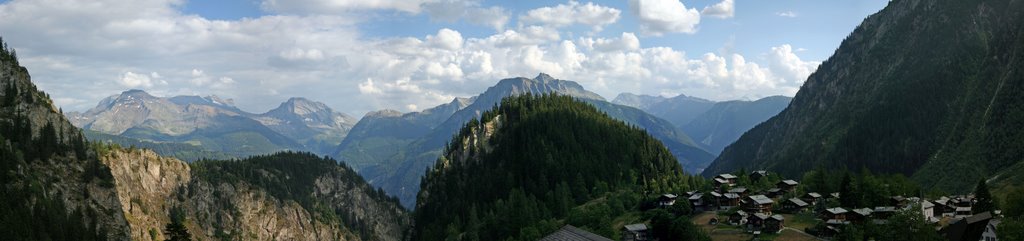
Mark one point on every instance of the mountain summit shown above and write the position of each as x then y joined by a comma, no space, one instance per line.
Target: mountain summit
215,124
392,151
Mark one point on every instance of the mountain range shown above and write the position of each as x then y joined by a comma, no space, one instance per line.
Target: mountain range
215,124
930,89
713,125
392,150
57,186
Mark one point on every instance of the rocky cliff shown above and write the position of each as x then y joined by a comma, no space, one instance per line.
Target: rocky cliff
218,203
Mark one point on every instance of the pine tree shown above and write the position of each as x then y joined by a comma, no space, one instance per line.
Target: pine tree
983,197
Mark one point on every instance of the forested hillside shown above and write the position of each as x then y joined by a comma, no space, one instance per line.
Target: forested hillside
537,162
53,185
925,88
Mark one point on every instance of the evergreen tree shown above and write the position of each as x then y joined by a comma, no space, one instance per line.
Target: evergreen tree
984,203
849,196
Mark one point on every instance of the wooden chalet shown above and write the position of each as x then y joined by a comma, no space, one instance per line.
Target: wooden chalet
811,198
774,224
730,200
883,213
787,185
756,221
774,192
667,199
696,200
837,213
758,204
757,175
738,218
795,205
859,215
635,232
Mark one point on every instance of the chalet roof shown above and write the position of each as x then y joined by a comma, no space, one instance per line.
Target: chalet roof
836,210
774,190
669,196
886,209
927,204
898,198
969,228
570,233
789,182
759,172
813,195
942,201
836,221
690,193
715,194
731,195
636,227
963,209
835,195
738,190
727,176
760,216
696,196
740,212
760,199
777,217
862,211
721,181
798,202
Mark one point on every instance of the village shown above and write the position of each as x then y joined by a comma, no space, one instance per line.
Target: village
784,211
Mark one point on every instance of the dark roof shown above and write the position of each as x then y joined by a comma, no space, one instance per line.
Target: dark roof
969,228
636,227
727,176
797,201
885,209
761,199
738,190
570,233
760,216
835,210
862,212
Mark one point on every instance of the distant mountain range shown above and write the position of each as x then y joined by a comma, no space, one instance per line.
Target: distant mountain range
392,150
215,124
713,125
931,89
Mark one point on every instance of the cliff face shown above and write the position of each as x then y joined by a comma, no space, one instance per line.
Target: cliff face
149,187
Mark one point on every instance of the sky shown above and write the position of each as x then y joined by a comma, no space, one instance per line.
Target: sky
408,55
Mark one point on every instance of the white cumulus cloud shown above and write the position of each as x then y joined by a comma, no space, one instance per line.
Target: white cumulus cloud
724,9
563,15
658,17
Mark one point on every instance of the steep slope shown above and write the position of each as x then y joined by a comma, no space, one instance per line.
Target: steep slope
313,124
216,125
53,186
399,173
930,88
724,122
506,175
285,196
381,134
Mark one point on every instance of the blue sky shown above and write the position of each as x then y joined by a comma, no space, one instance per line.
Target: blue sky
365,55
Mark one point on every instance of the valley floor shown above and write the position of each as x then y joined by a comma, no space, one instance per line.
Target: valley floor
725,232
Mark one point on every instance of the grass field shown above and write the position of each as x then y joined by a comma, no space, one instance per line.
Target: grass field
725,232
